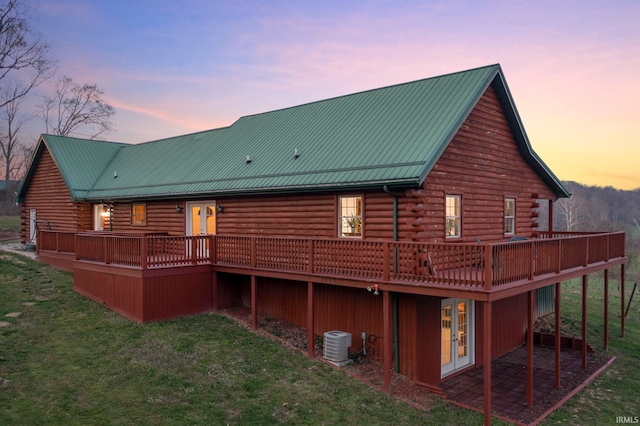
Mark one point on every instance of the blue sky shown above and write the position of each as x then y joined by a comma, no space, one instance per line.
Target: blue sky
175,67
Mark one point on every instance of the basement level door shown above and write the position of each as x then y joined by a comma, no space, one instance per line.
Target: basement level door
456,335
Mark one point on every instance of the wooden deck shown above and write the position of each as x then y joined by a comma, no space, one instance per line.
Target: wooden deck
473,269
388,261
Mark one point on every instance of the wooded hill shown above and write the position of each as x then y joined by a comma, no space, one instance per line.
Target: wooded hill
597,208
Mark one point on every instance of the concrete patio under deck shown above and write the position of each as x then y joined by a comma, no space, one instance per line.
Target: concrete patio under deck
509,383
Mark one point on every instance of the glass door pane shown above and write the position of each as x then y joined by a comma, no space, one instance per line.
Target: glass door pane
446,334
194,226
210,225
462,329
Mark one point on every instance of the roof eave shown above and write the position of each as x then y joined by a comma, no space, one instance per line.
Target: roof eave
397,183
33,163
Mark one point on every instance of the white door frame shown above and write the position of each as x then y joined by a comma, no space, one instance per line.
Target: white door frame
457,345
32,226
98,217
203,205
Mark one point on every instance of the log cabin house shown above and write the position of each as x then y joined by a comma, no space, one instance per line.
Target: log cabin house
407,213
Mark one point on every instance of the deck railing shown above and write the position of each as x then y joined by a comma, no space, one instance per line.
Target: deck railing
61,242
144,252
466,265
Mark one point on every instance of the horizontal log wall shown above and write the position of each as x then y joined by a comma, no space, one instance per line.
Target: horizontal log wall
294,215
161,217
482,164
48,194
311,215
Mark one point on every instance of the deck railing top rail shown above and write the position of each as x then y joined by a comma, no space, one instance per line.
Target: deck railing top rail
481,266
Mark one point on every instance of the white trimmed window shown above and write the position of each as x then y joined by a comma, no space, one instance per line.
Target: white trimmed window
509,216
453,218
350,216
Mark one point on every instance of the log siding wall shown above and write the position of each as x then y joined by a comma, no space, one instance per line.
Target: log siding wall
482,164
161,217
48,194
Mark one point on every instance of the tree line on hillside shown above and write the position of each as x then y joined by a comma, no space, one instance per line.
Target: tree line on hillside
67,108
597,208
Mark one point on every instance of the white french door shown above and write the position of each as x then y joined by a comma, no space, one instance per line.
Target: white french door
201,218
456,335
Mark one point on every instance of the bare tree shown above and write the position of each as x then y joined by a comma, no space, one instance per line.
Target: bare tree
601,215
23,54
11,150
75,109
571,212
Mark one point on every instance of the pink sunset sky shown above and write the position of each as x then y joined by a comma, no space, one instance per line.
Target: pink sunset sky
170,68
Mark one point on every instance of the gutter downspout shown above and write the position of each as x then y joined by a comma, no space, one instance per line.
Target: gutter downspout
396,346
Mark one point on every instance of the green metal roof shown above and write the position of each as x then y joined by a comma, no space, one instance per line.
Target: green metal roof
80,161
387,136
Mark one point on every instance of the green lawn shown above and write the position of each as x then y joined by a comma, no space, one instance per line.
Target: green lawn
615,392
67,360
10,223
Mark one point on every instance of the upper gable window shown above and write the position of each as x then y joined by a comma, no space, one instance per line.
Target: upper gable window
453,220
350,216
509,216
139,214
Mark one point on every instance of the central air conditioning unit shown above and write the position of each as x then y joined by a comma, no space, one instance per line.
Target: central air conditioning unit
336,344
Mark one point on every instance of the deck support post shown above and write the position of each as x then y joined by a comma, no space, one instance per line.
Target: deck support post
585,283
310,321
530,309
486,358
622,300
388,353
606,310
254,303
557,336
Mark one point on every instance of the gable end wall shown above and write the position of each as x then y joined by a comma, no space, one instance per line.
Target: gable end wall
483,165
49,195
